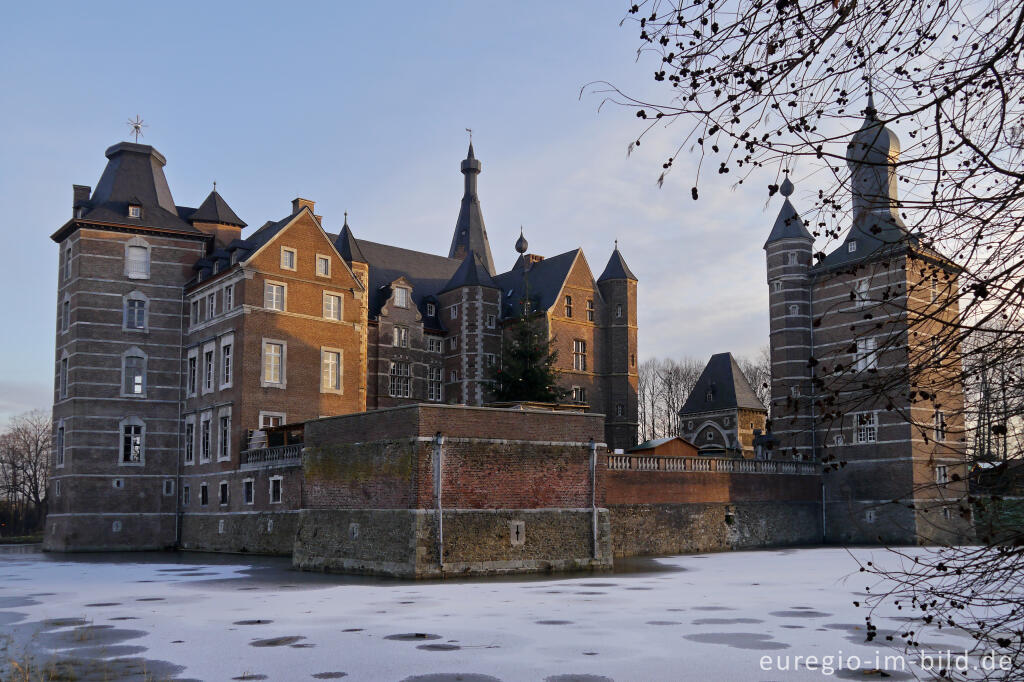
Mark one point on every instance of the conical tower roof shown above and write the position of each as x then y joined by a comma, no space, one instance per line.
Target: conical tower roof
215,210
788,224
470,233
616,268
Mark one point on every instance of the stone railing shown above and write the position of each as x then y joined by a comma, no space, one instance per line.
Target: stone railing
725,465
275,456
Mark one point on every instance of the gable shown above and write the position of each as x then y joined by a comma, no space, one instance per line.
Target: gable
303,234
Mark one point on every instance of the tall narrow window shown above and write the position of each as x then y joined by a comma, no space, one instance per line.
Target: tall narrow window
934,288
590,310
330,370
131,443
492,321
67,263
401,337
204,438
273,363
190,442
135,314
60,446
211,306
224,438
791,258
194,317
186,495
618,310
134,375
860,291
273,296
137,262
400,383
453,311
332,306
204,494
208,370
248,491
193,371
62,378
401,297
867,355
222,495
65,315
275,489
434,384
229,297
579,355
942,474
431,310
568,306
323,266
940,425
225,364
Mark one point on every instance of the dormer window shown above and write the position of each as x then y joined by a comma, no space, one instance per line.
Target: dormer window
852,246
134,211
431,310
401,297
709,396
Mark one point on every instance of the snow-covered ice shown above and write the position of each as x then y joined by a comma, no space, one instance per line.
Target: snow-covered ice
220,617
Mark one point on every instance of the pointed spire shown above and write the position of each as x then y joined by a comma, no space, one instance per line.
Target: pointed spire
215,210
347,245
616,268
470,234
788,224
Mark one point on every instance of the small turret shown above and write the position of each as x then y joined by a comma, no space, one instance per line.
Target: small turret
470,233
347,245
215,217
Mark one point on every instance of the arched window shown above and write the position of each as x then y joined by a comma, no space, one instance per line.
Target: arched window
133,371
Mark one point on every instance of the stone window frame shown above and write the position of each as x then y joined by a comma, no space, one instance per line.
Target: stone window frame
131,421
867,435
209,372
60,445
403,293
866,358
294,258
135,295
63,375
186,495
492,320
777,285
227,367
195,311
453,311
341,305
168,487
280,490
132,272
204,494
941,474
939,431
134,352
400,336
65,314
431,309
579,355
206,418
591,311
211,305
283,378
224,445
861,287
453,342
323,258
435,344
568,305
435,383
192,378
851,246
399,379
56,488
249,491
324,388
454,376
618,310
267,413
870,516
190,420
66,271
792,258
267,283
223,493
579,394
228,297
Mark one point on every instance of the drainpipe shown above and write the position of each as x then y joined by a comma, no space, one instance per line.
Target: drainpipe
593,492
438,471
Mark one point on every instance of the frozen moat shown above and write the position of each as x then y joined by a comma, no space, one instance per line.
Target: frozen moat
217,617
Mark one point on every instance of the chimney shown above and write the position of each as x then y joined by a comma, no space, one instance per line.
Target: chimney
319,219
298,203
81,195
532,259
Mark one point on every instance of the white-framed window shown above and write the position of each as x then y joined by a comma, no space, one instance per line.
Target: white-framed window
851,246
934,288
211,306
939,425
942,474
431,310
568,306
224,434
453,311
323,265
248,491
227,360
205,437
274,295
194,314
794,309
590,310
399,380
330,370
579,394
867,355
136,258
777,285
492,321
229,297
67,263
272,419
791,258
276,489
866,427
209,367
401,297
860,291
332,306
400,338
579,355
204,494
435,344
133,441
222,493
453,376
133,372
168,486
274,363
190,439
618,310
435,384
620,410
289,258
192,372
59,445
135,305
65,314
134,211
186,495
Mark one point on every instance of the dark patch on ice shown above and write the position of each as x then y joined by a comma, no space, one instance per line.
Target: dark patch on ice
578,678
43,594
439,647
276,641
663,622
452,677
303,646
117,651
849,627
630,588
675,610
91,669
726,621
248,588
799,614
738,640
406,602
103,603
864,674
196,574
352,630
598,584
594,592
64,622
176,570
87,636
553,592
257,621
11,617
124,618
412,636
590,653
16,602
329,676
150,599
554,622
713,608
793,627
250,676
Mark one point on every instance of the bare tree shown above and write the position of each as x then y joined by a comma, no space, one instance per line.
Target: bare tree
759,87
25,455
758,371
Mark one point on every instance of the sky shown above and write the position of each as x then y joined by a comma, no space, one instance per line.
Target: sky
363,108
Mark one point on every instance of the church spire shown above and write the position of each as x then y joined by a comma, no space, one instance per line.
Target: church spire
470,233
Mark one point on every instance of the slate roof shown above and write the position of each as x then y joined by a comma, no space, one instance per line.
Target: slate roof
876,234
215,210
788,225
616,268
134,174
728,386
347,245
545,279
472,272
470,233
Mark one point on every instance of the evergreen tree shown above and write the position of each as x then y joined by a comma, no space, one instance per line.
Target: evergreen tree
527,370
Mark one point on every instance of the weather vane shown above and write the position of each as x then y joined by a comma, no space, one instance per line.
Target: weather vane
470,131
137,125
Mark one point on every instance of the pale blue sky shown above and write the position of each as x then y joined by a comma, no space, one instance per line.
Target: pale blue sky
362,107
